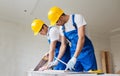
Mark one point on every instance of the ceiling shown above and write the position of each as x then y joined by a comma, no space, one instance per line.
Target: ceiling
102,16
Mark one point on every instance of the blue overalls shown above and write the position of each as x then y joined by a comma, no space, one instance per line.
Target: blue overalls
86,60
64,58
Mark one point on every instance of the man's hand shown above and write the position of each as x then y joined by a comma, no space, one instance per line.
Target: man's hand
50,65
53,63
43,68
71,64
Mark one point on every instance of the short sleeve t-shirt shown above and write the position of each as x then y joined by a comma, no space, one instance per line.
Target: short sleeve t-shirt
53,34
79,20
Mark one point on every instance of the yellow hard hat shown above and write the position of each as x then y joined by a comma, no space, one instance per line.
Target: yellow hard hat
54,14
36,26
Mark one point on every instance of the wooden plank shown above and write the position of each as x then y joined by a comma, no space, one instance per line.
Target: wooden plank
103,61
109,64
106,62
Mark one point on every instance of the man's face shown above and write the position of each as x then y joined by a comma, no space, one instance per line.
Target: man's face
60,21
43,31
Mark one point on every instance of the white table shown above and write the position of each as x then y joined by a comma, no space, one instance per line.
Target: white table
62,73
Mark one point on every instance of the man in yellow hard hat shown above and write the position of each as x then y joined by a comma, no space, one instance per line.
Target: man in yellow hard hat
52,33
72,27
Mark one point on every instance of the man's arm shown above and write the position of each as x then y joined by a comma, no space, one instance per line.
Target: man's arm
62,47
52,50
80,42
61,52
51,56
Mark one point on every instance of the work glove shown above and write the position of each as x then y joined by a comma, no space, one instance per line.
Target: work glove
71,64
53,63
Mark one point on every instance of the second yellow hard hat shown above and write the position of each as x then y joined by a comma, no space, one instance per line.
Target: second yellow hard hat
36,26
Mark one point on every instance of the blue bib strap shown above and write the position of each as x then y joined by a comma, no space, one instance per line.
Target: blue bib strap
73,21
63,28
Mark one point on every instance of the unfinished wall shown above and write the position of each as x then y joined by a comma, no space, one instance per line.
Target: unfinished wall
20,50
8,38
100,43
30,49
115,46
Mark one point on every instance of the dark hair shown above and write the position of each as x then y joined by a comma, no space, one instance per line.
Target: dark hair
44,25
63,14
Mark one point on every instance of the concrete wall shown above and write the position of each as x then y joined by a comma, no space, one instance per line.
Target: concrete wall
101,43
115,47
8,38
30,49
20,50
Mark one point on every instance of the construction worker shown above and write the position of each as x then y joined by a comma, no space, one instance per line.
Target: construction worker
52,33
72,27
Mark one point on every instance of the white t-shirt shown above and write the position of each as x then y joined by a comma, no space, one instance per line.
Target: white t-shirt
53,34
78,19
